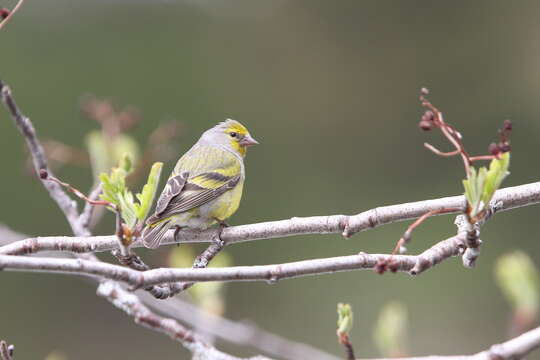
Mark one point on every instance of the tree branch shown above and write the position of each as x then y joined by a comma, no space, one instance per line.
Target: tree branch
131,305
66,204
241,333
514,349
506,199
270,273
5,20
6,351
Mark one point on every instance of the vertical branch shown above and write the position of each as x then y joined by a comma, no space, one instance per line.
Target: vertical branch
6,351
67,205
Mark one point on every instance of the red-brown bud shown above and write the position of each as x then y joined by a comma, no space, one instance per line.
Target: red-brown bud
425,125
4,13
424,91
507,126
505,147
428,115
494,149
43,174
381,267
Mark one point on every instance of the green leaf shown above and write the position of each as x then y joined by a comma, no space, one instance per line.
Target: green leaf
498,170
345,318
480,186
518,279
391,329
127,206
148,193
115,191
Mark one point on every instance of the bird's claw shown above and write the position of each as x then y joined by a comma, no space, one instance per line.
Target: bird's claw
222,225
175,236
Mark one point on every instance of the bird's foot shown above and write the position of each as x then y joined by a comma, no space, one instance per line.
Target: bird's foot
222,225
175,236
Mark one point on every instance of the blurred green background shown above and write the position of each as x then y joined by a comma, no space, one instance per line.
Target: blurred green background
330,89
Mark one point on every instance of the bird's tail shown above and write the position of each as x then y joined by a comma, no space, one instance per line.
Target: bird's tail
153,233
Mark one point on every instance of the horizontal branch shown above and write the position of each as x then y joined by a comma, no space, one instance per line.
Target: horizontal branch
507,198
270,273
514,349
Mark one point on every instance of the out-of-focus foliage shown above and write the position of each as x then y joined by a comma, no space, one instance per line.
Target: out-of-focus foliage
106,152
56,355
390,333
517,276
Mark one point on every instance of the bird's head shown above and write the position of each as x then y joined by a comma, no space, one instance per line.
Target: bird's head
231,134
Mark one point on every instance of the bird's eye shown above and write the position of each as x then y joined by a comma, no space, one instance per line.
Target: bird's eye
233,134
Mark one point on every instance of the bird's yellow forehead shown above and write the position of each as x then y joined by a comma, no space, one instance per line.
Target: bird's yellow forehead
236,127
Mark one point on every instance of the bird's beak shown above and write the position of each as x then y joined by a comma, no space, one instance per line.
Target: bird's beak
248,141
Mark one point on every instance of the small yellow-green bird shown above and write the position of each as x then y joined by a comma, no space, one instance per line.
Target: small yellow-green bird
206,184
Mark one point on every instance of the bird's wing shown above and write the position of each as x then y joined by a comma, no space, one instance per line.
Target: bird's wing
203,176
174,186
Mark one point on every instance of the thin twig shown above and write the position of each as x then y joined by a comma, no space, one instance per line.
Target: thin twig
441,153
242,333
482,157
201,262
343,339
131,305
67,205
88,199
407,235
10,15
86,215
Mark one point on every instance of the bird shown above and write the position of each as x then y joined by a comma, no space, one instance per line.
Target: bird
205,186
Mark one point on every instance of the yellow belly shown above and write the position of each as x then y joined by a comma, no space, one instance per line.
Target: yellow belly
227,204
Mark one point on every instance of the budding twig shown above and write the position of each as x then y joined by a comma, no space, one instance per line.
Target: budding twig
406,237
433,118
43,174
349,350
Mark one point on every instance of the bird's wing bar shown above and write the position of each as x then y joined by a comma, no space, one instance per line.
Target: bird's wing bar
193,195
